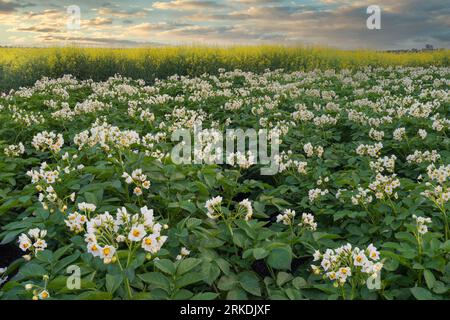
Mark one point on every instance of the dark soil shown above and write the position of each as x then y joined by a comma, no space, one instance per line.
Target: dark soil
9,253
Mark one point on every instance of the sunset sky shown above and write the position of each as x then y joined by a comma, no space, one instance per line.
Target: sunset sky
335,23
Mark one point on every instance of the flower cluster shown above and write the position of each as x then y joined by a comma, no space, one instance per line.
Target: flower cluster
370,150
209,147
105,233
75,221
363,197
183,253
242,160
48,141
107,137
438,194
376,135
340,264
285,162
213,207
307,222
384,186
139,179
426,156
287,217
422,134
45,179
33,241
421,224
246,206
39,292
383,164
399,134
14,150
310,150
440,174
314,194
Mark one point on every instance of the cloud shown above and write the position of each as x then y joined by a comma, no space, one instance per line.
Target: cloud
117,12
97,22
256,2
340,23
38,28
7,6
187,5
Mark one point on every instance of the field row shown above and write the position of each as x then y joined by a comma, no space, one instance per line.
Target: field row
23,66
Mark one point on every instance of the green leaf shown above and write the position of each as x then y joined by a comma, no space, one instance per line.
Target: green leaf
166,266
299,283
188,279
240,239
250,283
66,261
293,294
280,258
205,296
421,293
260,253
210,272
183,294
95,295
429,279
226,283
283,277
440,287
156,279
44,256
187,265
237,294
188,206
191,223
33,270
446,246
113,282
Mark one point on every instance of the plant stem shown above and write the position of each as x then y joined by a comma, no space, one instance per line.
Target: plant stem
127,282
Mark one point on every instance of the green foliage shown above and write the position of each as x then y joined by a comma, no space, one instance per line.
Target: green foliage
228,251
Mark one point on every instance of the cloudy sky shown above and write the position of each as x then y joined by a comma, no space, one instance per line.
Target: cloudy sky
335,23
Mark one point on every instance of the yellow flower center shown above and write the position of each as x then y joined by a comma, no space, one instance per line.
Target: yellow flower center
136,233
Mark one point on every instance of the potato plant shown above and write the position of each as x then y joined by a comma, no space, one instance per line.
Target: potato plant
358,208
